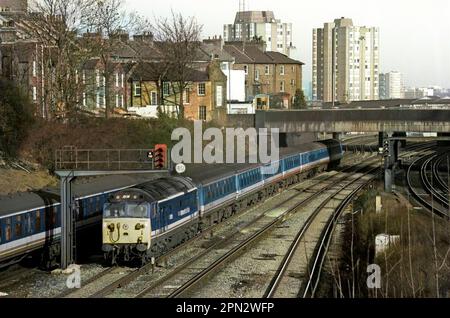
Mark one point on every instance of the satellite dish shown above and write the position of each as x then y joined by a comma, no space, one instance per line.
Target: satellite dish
180,168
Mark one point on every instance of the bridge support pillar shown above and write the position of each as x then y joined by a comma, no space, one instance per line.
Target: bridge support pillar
388,180
443,143
402,143
337,136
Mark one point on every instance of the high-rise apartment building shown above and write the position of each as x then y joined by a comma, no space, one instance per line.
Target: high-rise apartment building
254,25
345,62
391,85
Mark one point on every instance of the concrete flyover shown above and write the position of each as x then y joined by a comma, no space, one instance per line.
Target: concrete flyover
356,120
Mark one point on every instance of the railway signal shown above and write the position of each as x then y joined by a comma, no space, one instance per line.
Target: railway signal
151,154
160,158
386,150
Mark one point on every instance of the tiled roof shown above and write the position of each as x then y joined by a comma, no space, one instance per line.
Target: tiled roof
146,71
280,58
251,54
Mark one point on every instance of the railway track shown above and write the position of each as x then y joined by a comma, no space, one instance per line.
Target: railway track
236,250
284,276
296,258
121,277
422,178
129,277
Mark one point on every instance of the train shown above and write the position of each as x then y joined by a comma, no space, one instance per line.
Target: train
30,222
148,220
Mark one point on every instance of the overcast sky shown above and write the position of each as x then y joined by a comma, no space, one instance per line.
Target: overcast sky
414,34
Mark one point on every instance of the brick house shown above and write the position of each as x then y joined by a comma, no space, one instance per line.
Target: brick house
20,61
204,97
267,73
93,83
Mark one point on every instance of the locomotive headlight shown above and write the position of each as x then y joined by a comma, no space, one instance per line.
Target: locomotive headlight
139,226
125,227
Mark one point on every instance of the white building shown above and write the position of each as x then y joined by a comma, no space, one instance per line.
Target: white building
345,62
251,25
391,85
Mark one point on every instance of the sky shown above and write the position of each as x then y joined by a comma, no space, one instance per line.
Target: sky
414,34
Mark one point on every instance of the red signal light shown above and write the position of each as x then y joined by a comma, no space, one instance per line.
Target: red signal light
160,158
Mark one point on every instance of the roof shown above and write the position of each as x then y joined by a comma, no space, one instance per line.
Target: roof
216,52
145,50
252,54
280,58
240,56
149,71
254,17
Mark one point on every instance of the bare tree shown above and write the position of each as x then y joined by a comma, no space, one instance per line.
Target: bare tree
179,42
109,21
55,24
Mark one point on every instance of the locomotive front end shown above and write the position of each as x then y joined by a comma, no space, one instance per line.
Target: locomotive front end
126,226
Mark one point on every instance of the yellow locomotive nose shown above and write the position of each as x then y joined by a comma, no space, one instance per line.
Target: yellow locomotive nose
127,231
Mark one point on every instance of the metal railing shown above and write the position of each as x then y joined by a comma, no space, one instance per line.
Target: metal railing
72,158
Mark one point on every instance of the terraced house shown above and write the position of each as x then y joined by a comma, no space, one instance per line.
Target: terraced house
204,96
93,83
270,74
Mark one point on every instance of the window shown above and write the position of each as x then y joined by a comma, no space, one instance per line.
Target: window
219,96
121,101
154,98
293,69
34,68
122,79
18,227
34,93
97,78
117,79
257,75
84,99
202,113
186,96
282,70
267,70
137,89
201,89
246,69
84,77
292,82
282,86
117,100
166,88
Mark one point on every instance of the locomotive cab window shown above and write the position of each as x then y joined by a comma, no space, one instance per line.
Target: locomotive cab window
125,210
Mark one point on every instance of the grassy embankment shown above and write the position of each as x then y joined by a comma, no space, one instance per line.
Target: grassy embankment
417,266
